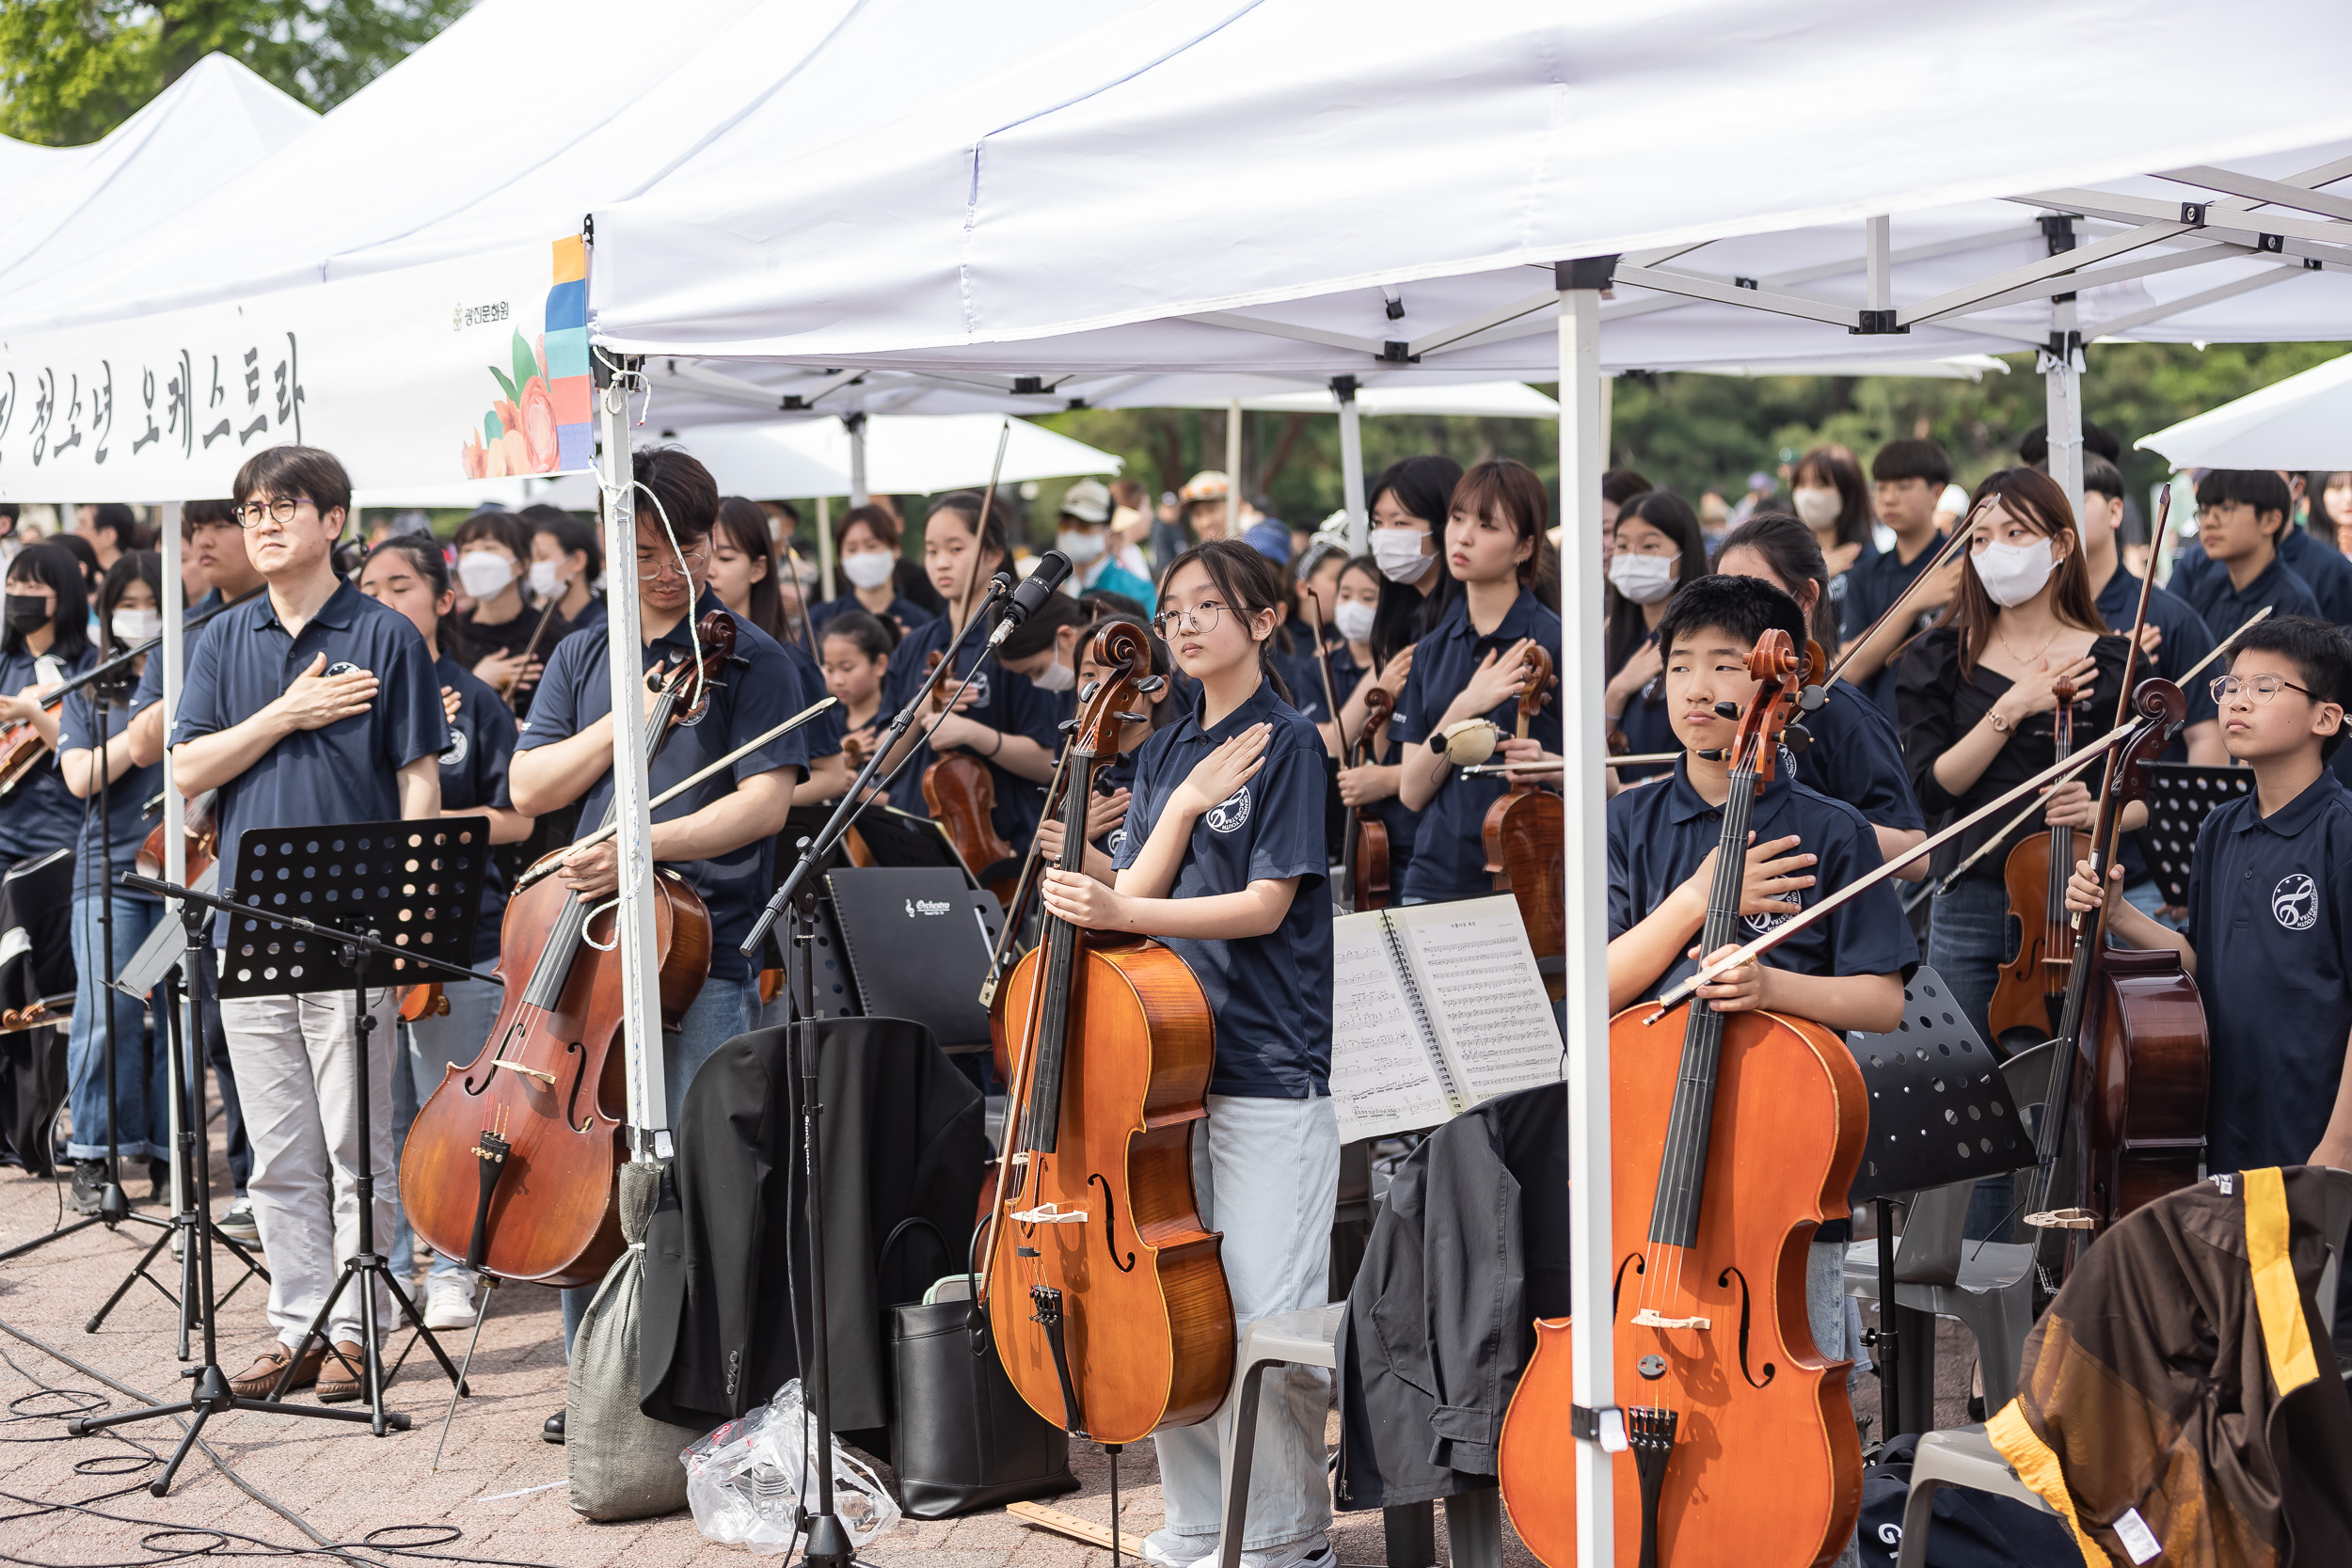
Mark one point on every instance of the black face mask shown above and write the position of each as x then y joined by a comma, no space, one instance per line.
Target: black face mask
26,612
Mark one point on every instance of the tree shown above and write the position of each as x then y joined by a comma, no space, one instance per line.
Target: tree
71,70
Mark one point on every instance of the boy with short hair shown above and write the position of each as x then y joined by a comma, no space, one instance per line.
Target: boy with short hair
1910,476
2240,515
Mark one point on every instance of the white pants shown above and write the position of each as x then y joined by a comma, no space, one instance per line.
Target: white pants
294,1058
1267,1173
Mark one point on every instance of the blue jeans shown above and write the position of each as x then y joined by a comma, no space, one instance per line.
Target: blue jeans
1967,934
142,1072
724,1009
429,1045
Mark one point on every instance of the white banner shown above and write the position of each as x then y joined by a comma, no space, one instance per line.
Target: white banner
470,368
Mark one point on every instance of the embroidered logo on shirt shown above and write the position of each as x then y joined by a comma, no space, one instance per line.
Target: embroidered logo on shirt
2295,902
1116,841
1760,924
1228,815
342,667
455,754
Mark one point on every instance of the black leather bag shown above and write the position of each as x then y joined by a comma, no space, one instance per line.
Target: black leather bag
960,1439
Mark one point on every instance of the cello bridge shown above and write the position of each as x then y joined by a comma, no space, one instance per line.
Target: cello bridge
547,1078
1047,1214
1647,1318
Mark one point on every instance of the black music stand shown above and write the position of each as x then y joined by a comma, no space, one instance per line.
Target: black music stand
2181,794
906,942
1940,1113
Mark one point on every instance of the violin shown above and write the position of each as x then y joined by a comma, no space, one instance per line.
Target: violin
511,1163
2031,989
1523,832
961,793
1725,1156
1364,845
421,1002
202,834
1104,1289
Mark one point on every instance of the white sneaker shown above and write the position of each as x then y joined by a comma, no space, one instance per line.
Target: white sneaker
449,1302
1312,1551
1164,1548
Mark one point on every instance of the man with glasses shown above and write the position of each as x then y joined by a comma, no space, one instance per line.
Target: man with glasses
719,835
310,704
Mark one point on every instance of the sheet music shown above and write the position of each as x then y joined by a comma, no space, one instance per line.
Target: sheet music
1382,1079
1486,998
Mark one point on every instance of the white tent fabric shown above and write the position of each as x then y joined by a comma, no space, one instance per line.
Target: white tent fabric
2304,421
1500,135
907,455
572,492
204,130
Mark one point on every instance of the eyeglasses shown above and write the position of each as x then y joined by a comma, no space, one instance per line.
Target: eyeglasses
1201,618
650,568
2263,687
282,510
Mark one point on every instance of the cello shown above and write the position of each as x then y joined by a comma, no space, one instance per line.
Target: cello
511,1162
2031,992
1105,1292
1523,831
1725,1155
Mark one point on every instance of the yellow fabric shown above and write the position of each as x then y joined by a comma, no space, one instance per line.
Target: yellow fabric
571,259
2278,1299
2039,1468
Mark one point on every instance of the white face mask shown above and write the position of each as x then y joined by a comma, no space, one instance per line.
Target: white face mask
1080,547
1397,552
1643,578
136,626
868,568
543,579
1354,619
485,574
1818,508
2011,574
1056,676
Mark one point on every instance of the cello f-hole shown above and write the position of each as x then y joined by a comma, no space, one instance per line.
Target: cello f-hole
1770,1372
1110,1221
1616,1286
579,1080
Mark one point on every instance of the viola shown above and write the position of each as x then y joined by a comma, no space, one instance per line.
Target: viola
961,793
1725,1156
1104,1292
1364,844
511,1163
1523,832
2031,989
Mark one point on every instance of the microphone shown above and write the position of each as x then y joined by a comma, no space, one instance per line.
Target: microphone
1053,569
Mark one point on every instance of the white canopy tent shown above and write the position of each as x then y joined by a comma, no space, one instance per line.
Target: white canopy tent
2304,421
905,454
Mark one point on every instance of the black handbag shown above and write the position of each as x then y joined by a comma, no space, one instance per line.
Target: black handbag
960,1439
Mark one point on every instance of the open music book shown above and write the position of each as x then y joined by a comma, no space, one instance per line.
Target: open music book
1436,1009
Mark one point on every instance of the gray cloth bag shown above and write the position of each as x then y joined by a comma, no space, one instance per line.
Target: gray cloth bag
624,1464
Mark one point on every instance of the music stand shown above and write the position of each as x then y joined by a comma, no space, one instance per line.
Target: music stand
2181,794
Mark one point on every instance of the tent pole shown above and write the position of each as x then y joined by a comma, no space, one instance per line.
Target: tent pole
2062,385
855,422
1582,455
824,543
1351,464
648,1089
175,809
1232,470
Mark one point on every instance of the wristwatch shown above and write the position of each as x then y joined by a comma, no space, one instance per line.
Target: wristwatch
1999,724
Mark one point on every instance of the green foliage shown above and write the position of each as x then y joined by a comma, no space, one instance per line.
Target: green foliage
72,70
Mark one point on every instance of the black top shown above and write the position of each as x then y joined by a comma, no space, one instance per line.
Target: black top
1872,583
1939,707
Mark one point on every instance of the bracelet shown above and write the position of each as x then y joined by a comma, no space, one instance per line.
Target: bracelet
1000,742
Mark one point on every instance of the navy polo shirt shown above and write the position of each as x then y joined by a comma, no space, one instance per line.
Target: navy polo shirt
1270,995
1648,729
594,615
1449,851
903,609
1402,823
2270,918
193,626
42,814
346,772
1113,776
1659,835
1003,701
1872,584
2325,572
2186,640
474,776
762,690
1856,757
825,731
2224,608
128,791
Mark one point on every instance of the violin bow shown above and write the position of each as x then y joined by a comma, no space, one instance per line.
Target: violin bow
980,530
1323,663
1943,555
2104,832
809,628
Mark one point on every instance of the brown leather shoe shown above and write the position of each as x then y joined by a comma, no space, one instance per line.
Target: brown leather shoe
343,1375
257,1381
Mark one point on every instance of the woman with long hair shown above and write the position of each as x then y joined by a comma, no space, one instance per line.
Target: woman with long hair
2328,498
1407,504
1832,500
865,553
1657,547
45,639
566,561
497,623
743,570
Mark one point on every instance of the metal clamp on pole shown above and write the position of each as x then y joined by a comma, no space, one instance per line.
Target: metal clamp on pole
1605,1426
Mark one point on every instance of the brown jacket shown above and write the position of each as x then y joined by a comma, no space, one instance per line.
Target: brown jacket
2182,1391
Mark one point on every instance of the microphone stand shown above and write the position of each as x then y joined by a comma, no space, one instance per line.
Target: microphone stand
827,1543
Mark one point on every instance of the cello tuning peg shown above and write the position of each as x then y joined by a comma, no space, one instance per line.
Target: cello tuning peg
1726,711
1086,692
1795,736
1150,684
1811,699
1132,718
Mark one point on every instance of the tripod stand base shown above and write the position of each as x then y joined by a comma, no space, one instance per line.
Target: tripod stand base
212,1398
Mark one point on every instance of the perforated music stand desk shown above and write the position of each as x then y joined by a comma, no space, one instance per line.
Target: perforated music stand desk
2181,794
355,906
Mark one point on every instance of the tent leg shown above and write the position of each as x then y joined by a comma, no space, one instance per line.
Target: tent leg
1351,464
857,425
824,543
1234,488
1582,455
2063,385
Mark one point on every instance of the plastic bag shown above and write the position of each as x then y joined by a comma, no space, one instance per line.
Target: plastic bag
744,1480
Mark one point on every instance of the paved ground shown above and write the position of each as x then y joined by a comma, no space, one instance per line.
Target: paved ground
498,1485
